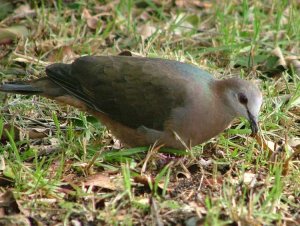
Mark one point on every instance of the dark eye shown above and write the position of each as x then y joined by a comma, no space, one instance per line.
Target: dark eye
242,98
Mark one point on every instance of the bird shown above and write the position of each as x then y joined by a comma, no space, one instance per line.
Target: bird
144,100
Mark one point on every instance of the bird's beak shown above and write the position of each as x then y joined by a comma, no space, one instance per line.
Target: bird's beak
253,123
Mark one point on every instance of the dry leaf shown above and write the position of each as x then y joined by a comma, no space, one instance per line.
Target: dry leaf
62,53
294,62
146,30
130,53
8,204
212,182
286,163
45,150
161,185
281,61
100,180
92,21
205,163
10,34
265,145
182,174
125,53
13,130
37,133
193,3
249,179
23,11
294,142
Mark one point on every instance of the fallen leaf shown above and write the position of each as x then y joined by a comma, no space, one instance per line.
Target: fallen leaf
130,53
294,62
212,182
281,60
37,133
62,53
125,53
249,179
265,145
100,180
286,163
11,34
23,11
294,142
193,3
44,150
146,30
144,179
9,204
13,130
16,220
92,21
205,163
182,174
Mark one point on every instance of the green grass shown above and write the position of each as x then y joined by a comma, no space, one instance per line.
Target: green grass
231,179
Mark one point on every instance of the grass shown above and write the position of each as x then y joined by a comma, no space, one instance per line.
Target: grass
63,167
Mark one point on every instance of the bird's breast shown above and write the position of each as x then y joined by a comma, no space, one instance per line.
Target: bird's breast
202,118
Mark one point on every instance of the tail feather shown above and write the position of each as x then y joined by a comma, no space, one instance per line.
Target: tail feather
25,89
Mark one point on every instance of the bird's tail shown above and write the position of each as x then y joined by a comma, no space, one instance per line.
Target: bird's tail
20,88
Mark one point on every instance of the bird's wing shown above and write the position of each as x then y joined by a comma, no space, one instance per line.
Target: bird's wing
133,91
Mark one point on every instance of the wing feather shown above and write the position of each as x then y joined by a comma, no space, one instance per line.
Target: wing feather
133,91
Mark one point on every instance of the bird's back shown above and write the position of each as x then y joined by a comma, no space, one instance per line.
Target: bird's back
134,91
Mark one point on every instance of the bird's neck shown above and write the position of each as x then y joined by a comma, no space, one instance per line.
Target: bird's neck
218,116
222,90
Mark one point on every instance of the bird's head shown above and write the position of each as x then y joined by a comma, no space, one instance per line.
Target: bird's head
245,99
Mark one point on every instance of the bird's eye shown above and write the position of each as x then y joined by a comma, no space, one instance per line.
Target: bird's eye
242,98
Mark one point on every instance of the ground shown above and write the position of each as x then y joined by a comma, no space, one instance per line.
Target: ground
61,166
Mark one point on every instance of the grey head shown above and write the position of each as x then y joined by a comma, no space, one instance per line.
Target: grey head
243,98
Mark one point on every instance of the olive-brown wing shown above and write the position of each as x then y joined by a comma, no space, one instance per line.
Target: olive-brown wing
133,91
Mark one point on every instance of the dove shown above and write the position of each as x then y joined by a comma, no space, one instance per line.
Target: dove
146,100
